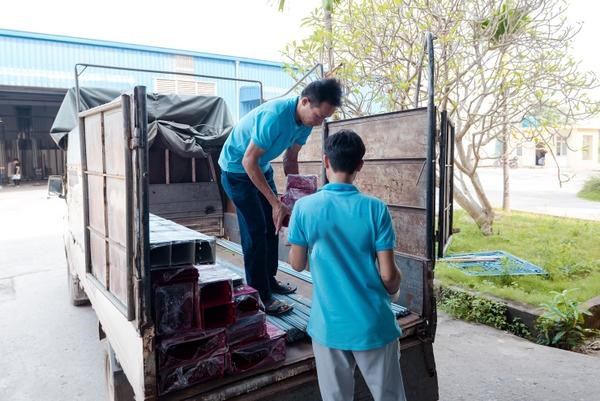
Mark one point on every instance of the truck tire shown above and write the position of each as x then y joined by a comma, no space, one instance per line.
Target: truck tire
76,292
117,385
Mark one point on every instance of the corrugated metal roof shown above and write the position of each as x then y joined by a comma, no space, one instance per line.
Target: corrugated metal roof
130,46
48,61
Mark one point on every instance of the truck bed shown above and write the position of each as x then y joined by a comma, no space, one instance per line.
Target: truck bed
293,379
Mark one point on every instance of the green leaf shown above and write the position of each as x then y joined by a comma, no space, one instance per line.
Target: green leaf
558,336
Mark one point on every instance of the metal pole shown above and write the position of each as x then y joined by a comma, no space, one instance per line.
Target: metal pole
189,74
431,127
325,135
77,89
443,161
141,127
2,154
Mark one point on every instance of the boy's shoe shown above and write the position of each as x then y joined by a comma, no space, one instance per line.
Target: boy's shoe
283,289
276,308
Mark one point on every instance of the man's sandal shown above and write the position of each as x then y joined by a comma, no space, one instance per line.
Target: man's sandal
283,289
276,308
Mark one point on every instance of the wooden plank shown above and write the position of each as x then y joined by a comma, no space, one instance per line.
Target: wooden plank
102,108
394,182
410,227
411,286
198,191
116,210
390,136
96,203
98,256
114,142
94,143
206,207
117,263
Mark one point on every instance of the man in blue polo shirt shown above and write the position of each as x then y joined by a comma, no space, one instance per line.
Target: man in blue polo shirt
349,240
247,177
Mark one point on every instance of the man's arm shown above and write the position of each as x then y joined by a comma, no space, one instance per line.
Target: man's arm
250,163
297,257
290,159
390,275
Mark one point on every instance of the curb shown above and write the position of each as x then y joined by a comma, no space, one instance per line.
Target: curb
527,314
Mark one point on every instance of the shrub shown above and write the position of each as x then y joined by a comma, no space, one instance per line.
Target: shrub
561,325
465,306
591,189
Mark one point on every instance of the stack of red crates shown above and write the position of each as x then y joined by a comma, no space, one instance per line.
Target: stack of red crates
207,329
252,342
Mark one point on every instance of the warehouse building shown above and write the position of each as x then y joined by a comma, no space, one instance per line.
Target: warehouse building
37,69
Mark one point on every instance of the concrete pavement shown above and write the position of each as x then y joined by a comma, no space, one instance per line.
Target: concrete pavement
477,362
50,349
537,190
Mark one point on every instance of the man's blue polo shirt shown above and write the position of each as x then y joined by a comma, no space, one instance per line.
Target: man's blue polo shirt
343,230
272,127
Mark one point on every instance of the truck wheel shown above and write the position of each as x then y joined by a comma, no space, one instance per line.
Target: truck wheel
76,292
117,385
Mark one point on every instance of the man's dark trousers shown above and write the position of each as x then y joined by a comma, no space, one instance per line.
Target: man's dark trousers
257,231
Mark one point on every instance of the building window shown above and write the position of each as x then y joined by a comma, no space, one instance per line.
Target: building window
185,87
599,147
499,148
586,151
561,146
519,149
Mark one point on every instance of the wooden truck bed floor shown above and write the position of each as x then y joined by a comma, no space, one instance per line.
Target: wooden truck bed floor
297,369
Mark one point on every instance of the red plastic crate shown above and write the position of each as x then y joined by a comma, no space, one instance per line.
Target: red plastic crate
257,354
246,329
188,348
216,316
177,378
247,301
215,287
175,299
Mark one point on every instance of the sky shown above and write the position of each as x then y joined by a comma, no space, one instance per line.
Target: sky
246,28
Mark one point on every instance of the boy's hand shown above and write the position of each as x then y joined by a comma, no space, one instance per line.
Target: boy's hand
280,212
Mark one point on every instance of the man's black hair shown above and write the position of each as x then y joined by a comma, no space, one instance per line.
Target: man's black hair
345,150
324,90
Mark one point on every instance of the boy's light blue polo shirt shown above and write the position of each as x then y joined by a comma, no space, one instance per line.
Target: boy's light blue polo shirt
344,229
272,127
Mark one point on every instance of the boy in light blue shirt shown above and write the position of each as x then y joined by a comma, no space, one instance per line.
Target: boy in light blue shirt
349,239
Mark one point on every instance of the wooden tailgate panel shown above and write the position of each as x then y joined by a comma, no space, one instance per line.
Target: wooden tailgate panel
106,159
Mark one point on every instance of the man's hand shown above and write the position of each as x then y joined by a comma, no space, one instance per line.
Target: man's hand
280,212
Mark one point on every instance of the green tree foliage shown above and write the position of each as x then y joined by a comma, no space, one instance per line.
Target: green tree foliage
496,63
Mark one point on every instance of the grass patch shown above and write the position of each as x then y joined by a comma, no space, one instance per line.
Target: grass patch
569,249
591,189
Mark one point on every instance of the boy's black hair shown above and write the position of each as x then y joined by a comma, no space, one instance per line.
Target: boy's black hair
345,150
324,90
